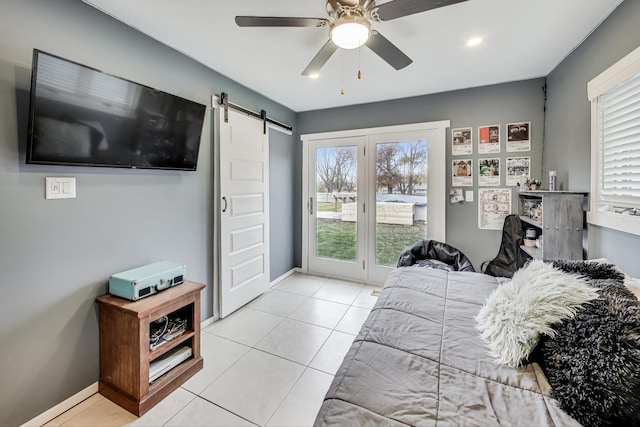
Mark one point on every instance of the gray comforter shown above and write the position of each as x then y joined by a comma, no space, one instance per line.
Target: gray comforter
419,360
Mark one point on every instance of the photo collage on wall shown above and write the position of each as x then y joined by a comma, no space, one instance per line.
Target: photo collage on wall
491,166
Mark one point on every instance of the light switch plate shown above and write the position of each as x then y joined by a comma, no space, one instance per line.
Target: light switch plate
59,188
468,196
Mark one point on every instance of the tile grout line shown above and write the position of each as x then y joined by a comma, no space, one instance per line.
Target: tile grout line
253,347
181,409
225,370
224,409
287,394
306,366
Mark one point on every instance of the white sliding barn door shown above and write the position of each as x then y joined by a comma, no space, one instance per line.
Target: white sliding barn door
244,206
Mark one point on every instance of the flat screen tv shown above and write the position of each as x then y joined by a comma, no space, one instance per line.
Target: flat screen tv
79,116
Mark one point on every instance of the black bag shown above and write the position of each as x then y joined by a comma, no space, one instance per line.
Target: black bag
434,254
510,257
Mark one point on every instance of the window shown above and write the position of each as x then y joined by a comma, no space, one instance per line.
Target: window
615,146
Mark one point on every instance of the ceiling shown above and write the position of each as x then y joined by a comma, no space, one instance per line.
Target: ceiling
522,39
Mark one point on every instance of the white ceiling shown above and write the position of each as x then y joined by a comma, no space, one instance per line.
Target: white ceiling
523,39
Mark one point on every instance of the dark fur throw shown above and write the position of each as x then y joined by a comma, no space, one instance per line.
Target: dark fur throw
598,274
593,363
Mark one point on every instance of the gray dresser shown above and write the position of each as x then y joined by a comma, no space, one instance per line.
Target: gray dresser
558,217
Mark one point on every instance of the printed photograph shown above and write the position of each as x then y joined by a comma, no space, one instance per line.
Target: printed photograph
517,168
462,173
519,136
461,141
489,139
489,172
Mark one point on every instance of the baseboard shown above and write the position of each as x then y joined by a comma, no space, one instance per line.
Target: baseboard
69,403
207,322
284,276
329,276
63,407
82,395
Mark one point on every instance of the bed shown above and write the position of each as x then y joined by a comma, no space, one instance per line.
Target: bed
419,360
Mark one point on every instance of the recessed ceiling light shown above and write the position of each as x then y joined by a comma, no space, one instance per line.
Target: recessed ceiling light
314,76
475,41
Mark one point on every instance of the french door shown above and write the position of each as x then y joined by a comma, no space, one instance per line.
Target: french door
334,206
366,198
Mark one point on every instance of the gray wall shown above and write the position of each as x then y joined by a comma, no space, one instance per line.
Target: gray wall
282,209
568,148
56,256
489,105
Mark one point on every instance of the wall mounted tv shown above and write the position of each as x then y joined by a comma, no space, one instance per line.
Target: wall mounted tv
79,116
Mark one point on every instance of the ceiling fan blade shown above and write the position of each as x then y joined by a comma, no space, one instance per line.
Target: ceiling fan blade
320,59
280,21
399,8
388,51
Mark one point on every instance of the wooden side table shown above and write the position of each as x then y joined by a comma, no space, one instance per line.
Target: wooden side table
125,352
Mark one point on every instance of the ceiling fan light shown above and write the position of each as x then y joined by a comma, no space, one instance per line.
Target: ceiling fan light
350,33
474,41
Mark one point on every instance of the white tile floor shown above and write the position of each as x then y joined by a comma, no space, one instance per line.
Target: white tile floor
268,364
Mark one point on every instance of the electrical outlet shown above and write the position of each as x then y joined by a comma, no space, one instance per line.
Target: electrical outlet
59,188
468,196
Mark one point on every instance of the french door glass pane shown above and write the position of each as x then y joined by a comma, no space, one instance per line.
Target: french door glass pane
401,198
336,178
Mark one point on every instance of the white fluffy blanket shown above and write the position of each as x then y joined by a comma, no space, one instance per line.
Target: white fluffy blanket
518,312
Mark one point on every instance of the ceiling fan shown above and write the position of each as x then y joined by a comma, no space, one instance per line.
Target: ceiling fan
350,27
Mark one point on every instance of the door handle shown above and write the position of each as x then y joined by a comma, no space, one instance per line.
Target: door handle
224,199
311,206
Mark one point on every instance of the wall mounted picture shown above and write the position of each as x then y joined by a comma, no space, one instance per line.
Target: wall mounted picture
462,173
461,141
519,136
489,139
489,172
494,204
516,168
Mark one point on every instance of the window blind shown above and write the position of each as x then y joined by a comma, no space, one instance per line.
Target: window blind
620,149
